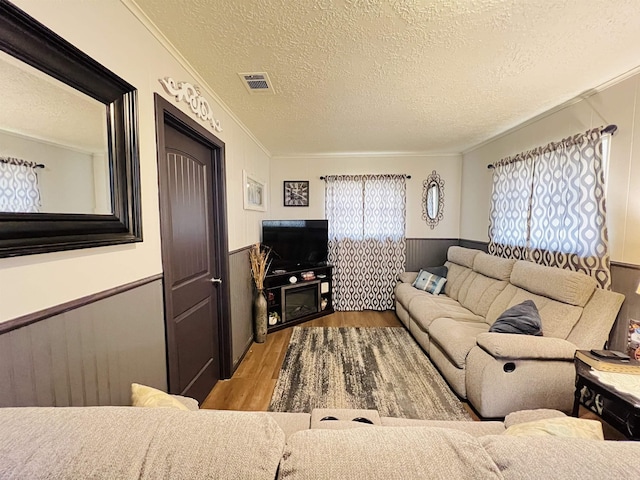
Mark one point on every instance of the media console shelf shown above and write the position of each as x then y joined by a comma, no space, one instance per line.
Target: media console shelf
292,303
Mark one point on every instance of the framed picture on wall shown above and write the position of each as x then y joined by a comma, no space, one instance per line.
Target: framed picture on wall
296,193
255,192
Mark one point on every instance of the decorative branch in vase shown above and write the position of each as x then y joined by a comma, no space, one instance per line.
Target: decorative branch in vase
259,259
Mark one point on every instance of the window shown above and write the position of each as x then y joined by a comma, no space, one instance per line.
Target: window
548,206
19,190
366,216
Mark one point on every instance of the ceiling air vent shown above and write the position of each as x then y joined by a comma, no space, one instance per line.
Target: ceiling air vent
257,82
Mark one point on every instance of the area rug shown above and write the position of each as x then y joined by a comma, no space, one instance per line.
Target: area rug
372,368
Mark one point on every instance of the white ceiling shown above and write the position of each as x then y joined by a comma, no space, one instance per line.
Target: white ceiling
36,106
401,76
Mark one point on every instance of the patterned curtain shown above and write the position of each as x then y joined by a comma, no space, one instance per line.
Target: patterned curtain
548,206
19,190
367,245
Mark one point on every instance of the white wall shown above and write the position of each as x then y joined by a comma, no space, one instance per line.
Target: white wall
111,34
66,183
618,104
419,167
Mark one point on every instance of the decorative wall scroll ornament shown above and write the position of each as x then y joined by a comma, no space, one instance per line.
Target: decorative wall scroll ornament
185,92
432,199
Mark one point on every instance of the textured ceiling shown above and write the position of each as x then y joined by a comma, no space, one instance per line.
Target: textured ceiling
38,106
412,76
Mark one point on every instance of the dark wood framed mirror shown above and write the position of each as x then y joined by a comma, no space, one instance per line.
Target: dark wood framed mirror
26,42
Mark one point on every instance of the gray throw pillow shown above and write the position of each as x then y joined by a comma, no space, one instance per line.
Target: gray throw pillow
440,271
522,318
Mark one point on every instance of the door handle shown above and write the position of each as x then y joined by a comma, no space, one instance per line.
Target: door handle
215,280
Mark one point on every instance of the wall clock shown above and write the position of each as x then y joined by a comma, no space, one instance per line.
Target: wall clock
296,193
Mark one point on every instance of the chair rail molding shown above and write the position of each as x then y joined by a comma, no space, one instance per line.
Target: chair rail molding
188,93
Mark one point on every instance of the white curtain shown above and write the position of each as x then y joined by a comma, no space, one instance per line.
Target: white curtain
19,190
548,206
367,245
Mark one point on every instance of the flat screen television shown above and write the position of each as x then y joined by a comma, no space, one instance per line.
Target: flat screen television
296,243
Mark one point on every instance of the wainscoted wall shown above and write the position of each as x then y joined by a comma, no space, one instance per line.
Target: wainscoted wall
89,352
241,287
484,246
427,252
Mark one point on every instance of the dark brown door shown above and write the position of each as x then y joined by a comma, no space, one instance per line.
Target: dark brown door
192,257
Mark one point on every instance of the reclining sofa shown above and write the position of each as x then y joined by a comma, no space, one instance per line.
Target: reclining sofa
499,373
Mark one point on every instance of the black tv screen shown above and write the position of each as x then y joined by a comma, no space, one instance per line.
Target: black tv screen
296,243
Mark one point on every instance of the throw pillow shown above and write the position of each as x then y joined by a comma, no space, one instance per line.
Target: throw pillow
144,396
522,318
440,271
429,282
558,427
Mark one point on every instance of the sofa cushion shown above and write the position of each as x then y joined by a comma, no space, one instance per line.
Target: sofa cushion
456,276
478,292
142,443
568,427
456,338
426,308
522,318
551,457
291,422
558,319
405,294
462,256
562,285
476,429
407,277
492,266
385,452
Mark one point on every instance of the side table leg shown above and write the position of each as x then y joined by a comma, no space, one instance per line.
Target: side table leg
576,402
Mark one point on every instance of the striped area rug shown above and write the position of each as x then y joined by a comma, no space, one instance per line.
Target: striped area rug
372,368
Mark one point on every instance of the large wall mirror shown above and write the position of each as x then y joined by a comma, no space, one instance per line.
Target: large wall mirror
68,145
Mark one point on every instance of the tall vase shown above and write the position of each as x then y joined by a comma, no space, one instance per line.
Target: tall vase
260,317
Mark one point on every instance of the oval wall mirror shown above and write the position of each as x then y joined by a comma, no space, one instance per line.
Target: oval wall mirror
432,199
71,131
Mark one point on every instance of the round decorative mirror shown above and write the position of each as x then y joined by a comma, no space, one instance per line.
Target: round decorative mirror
432,199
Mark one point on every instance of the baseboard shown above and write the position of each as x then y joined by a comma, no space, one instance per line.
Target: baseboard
244,353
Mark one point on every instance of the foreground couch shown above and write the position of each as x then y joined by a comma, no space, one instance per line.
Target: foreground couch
500,373
164,443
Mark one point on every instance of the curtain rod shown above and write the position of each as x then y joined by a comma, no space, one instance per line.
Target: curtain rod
323,177
608,129
6,160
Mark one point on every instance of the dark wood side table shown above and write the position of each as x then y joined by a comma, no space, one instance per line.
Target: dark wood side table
618,409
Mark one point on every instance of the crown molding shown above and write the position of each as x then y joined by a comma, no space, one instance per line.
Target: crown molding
142,17
320,156
577,99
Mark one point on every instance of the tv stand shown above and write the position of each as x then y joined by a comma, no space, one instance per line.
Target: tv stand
307,298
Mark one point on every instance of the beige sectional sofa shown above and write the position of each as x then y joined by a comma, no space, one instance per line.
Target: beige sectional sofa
500,373
153,443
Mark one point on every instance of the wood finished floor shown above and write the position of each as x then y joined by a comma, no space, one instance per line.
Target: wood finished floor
252,384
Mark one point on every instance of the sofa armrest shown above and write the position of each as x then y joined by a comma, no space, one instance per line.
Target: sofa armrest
526,347
407,277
